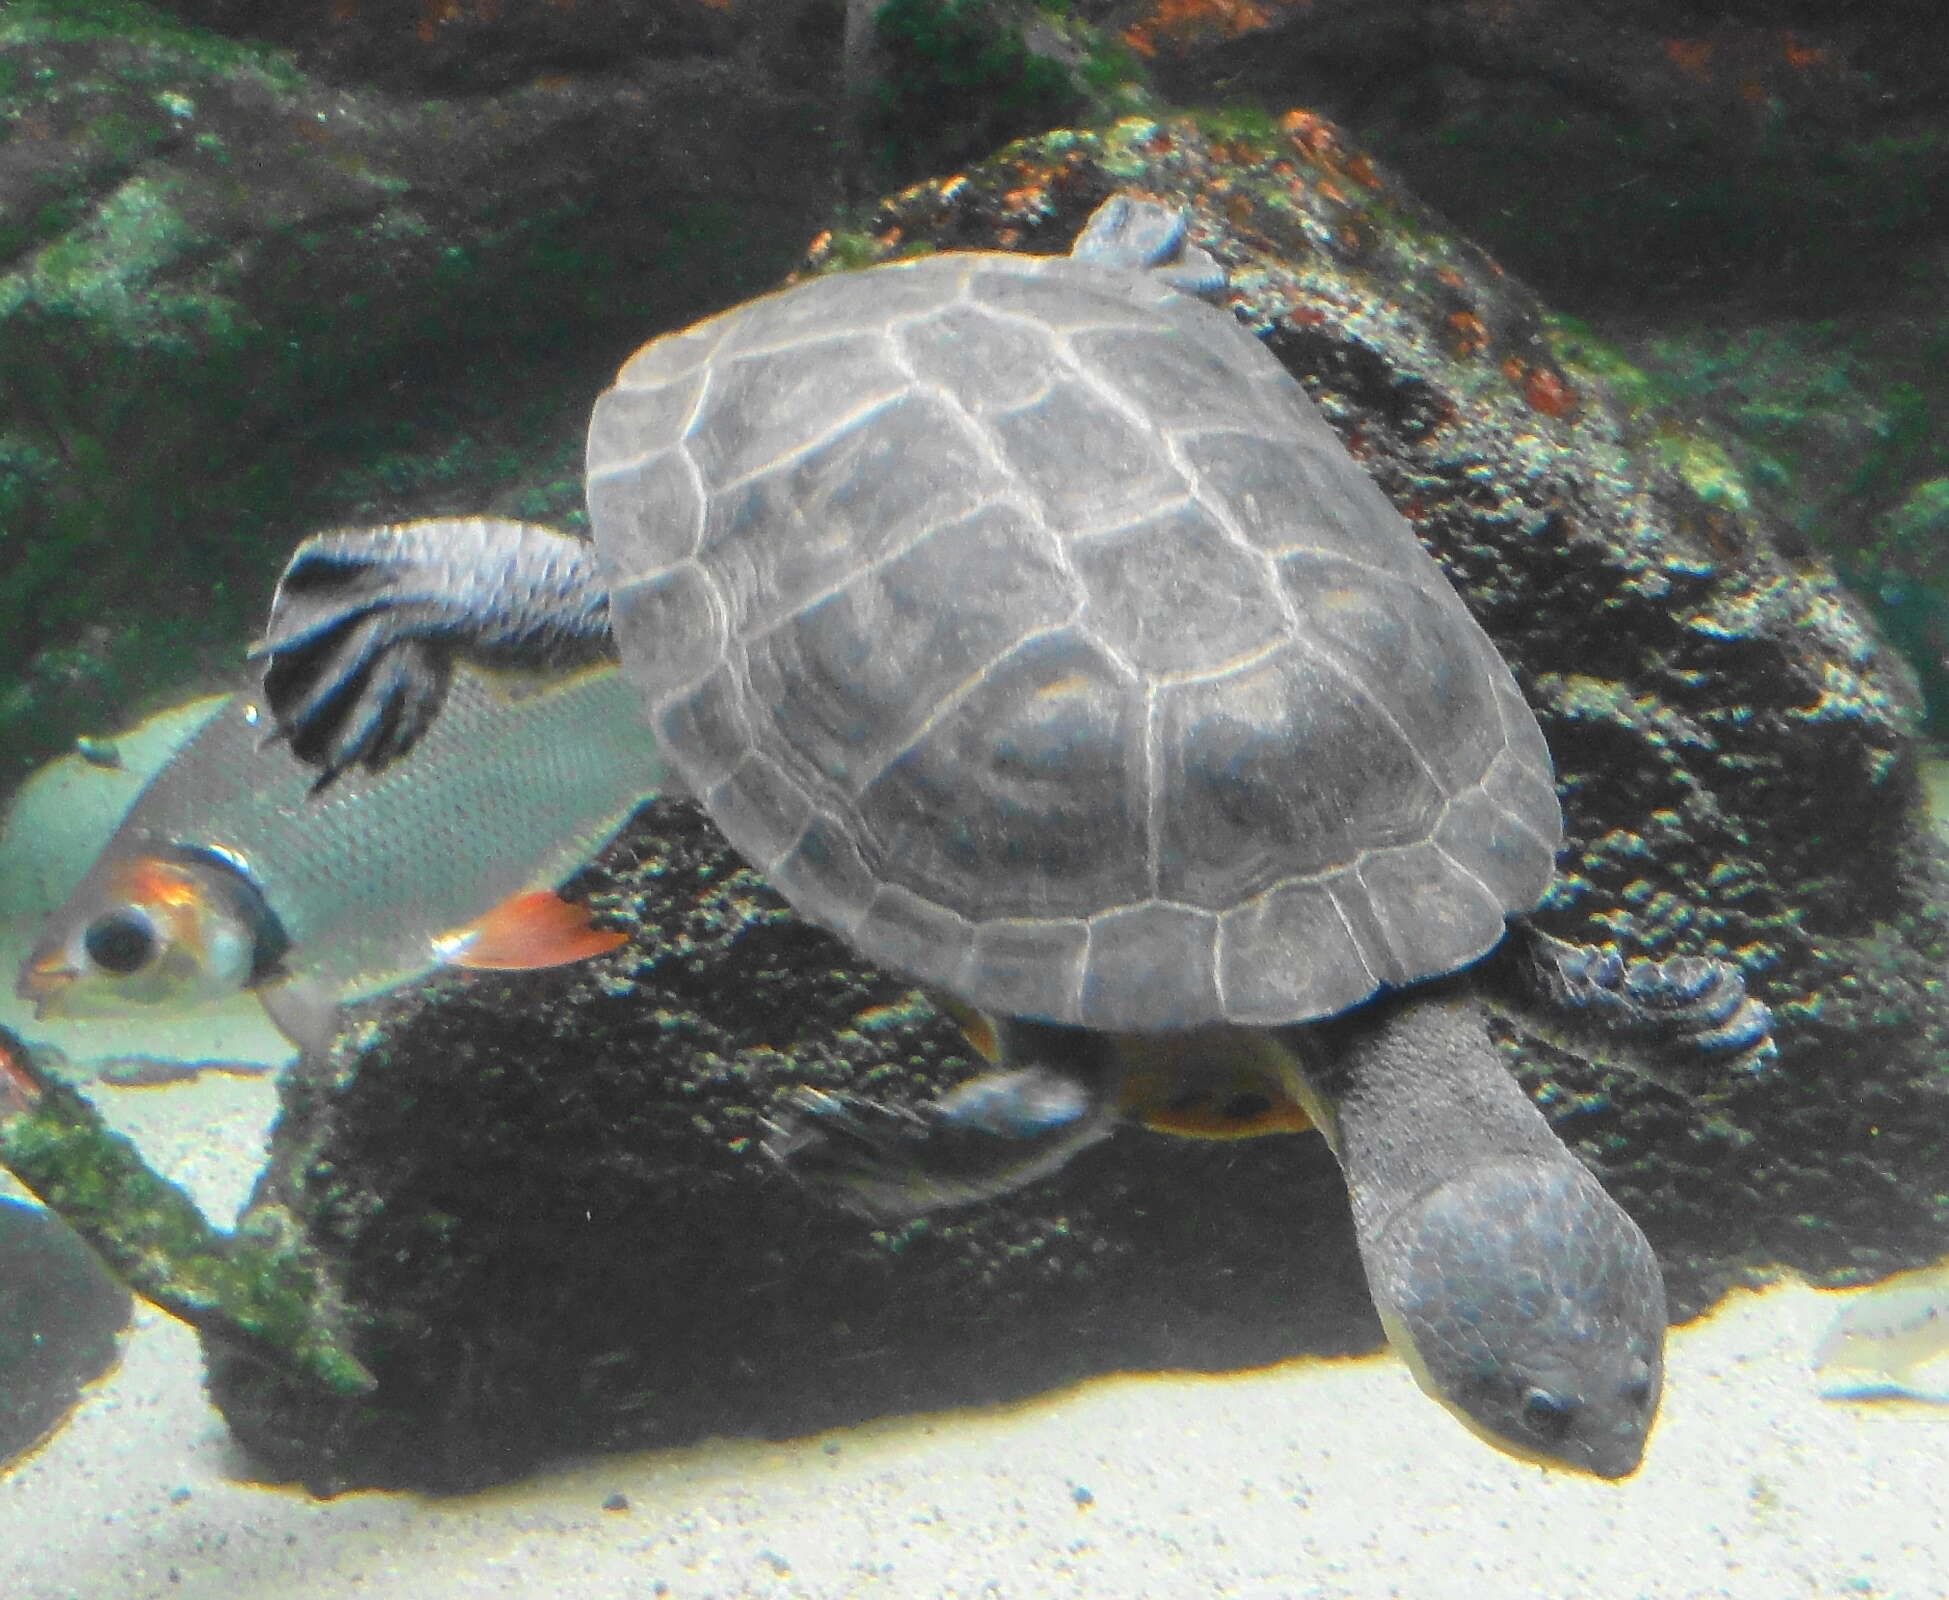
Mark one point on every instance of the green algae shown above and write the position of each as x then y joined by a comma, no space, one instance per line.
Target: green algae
239,305
120,21
957,80
244,1288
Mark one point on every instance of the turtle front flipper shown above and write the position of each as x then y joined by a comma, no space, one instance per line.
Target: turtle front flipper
1519,1293
1053,1095
1686,1022
366,623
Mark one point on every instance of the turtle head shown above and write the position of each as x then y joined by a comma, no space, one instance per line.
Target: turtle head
1528,1302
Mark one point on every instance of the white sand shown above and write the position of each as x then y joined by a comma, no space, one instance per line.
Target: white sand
1313,1479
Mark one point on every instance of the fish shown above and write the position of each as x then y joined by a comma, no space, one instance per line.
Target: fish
1883,1336
232,871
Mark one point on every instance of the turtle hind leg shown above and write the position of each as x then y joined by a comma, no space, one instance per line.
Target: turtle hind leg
1052,1096
1133,235
1672,1021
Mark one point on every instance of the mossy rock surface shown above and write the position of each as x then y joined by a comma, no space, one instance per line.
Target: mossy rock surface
239,302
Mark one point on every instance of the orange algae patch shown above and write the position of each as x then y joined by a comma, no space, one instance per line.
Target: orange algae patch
1693,57
1470,337
1180,21
1544,389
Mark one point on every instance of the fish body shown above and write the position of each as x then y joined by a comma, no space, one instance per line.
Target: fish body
1883,1336
229,872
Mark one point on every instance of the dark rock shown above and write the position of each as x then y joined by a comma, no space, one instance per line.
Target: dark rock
1617,152
542,1200
61,1318
1750,197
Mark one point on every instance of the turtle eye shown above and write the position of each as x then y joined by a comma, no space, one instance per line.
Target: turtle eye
1547,1415
120,942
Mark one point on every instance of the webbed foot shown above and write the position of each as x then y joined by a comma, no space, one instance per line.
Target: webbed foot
365,625
1136,235
992,1134
1683,1006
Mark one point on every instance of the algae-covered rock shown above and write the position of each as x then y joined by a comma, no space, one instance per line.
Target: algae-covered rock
238,301
1839,425
1753,199
541,1205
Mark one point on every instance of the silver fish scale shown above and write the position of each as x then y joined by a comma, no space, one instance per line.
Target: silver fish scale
361,875
1025,622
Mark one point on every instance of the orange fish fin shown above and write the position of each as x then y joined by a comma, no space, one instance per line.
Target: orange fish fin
536,929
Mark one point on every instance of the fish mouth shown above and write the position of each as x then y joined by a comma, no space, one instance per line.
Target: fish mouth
44,980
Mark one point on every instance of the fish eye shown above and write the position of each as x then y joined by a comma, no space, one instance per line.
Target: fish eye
120,942
1547,1415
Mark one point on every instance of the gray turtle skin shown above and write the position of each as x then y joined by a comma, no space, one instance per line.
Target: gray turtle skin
1025,623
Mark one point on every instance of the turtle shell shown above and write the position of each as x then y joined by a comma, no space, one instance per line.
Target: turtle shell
1023,621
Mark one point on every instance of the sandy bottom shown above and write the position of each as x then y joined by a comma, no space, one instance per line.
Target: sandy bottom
1311,1479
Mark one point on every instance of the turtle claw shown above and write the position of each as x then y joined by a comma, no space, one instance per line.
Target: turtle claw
355,698
365,625
1133,235
854,1150
1687,1005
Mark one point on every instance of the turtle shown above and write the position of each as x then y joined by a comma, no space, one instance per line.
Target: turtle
1024,622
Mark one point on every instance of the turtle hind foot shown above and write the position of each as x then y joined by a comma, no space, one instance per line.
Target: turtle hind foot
1655,1012
1133,235
888,1162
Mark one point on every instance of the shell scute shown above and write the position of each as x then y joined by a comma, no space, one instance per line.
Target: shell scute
850,682
1088,463
1505,853
1432,912
1151,966
826,865
1176,595
987,362
1032,968
761,804
822,519
1178,383
1412,653
765,411
1289,953
676,624
1278,771
1025,797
